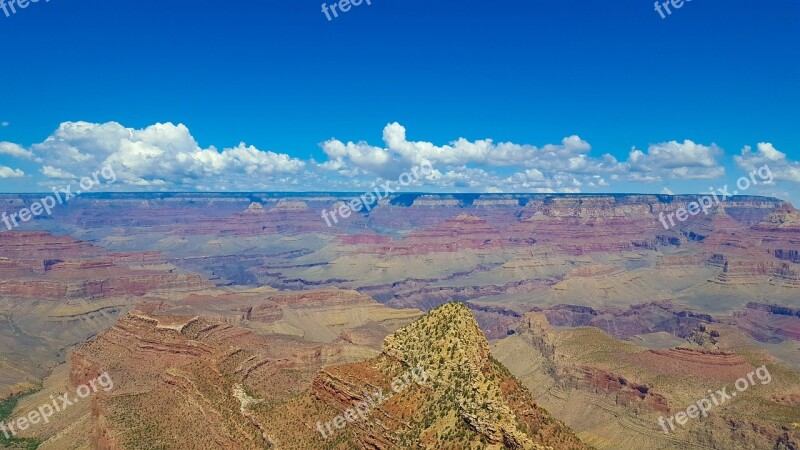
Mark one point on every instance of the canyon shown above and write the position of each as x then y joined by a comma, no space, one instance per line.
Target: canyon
245,315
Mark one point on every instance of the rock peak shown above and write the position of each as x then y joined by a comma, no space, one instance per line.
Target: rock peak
448,344
466,217
448,327
255,208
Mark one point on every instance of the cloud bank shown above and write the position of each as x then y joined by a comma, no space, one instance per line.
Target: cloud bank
166,157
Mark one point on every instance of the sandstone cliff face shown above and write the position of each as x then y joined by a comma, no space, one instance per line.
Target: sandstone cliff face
612,392
323,316
768,323
181,378
39,265
422,250
56,292
186,382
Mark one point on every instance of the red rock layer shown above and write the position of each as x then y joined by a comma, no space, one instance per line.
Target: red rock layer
43,266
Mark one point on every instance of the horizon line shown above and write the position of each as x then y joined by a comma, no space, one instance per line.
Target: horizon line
395,194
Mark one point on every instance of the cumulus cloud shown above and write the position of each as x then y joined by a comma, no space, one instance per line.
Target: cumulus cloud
166,156
54,172
766,154
163,155
564,167
687,160
352,159
474,165
17,151
461,152
7,172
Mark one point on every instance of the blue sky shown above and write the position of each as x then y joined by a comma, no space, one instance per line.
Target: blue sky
157,88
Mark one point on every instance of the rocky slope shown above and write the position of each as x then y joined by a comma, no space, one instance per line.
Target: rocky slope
468,400
181,382
612,392
191,383
57,291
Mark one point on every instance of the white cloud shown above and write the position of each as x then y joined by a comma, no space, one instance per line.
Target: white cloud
7,172
482,152
567,166
53,172
461,152
348,158
464,164
163,156
687,160
767,155
17,151
4,124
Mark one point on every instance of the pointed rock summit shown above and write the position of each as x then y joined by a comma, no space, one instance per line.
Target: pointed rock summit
466,217
255,208
469,400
